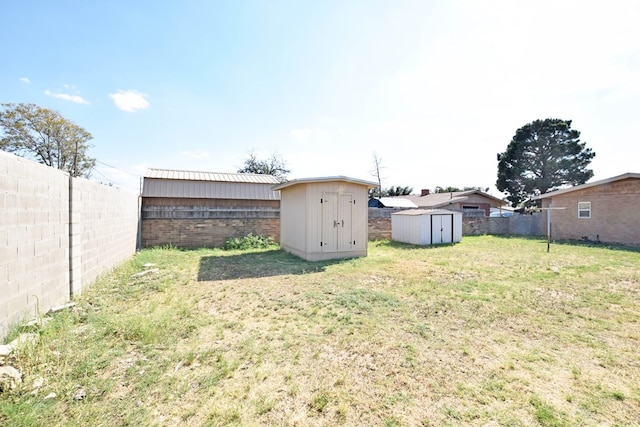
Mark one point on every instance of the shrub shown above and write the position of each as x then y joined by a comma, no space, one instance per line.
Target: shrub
249,241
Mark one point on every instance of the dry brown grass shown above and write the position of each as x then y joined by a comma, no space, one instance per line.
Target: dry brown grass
491,331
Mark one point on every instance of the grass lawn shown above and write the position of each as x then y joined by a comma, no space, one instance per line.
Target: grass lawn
490,331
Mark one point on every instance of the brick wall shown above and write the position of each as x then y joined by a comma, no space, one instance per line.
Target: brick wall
212,232
615,213
50,240
197,223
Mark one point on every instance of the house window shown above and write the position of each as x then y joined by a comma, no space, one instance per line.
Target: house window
584,209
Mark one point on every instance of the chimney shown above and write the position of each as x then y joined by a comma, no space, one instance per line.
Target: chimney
425,192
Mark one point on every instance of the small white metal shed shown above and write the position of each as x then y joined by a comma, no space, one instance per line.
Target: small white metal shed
324,218
426,226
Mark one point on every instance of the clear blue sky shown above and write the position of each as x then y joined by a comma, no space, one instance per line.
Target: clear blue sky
435,88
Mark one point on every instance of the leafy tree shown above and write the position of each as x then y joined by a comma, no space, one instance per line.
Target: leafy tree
451,189
390,192
398,191
483,189
46,137
543,156
274,165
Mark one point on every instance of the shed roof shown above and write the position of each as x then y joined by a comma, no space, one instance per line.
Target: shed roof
293,182
249,178
415,212
628,175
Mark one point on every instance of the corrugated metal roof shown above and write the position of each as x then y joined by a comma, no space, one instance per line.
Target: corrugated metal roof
184,175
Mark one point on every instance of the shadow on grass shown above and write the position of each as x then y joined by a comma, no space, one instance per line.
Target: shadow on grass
409,246
582,243
539,239
257,264
601,245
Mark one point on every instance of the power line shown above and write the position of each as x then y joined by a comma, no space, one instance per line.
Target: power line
118,169
119,184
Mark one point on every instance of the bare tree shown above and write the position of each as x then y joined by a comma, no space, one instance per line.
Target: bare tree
377,162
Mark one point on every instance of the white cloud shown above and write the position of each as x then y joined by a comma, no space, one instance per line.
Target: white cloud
130,100
67,97
25,80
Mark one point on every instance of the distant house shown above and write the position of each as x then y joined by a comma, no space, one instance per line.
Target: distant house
204,209
470,202
606,210
392,202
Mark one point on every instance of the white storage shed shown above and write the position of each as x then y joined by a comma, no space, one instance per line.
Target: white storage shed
324,218
426,226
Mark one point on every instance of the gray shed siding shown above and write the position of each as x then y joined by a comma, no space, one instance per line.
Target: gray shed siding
208,189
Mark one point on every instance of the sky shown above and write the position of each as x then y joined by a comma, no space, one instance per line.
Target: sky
433,88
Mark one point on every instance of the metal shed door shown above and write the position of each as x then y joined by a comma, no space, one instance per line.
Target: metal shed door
441,229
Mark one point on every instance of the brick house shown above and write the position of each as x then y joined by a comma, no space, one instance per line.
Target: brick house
470,202
605,211
193,209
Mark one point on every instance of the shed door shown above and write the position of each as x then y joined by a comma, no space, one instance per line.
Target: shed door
441,229
337,215
345,212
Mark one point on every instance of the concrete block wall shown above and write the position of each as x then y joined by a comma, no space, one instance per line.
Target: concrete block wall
53,237
527,225
478,226
523,225
105,219
34,239
380,222
379,228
